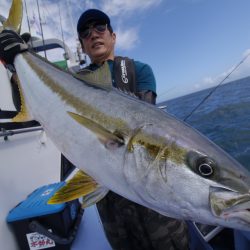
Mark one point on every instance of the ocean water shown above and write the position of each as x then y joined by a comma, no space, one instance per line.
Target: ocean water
224,117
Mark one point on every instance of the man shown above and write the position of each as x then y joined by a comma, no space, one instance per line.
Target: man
127,225
98,40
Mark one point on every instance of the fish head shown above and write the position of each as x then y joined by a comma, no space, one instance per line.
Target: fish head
181,173
228,185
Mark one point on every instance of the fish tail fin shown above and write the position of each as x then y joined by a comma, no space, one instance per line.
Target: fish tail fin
14,20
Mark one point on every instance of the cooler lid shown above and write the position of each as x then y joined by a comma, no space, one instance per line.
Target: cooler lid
36,204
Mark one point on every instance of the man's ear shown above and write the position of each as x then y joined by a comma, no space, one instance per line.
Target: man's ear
114,37
83,50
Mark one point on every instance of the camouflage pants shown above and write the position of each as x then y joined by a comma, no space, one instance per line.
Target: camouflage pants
129,226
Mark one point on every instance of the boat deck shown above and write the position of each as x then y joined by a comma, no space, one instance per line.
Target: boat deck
90,234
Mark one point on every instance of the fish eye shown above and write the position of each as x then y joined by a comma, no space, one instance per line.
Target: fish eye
205,167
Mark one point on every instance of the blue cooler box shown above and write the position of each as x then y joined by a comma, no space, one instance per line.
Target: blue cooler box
38,225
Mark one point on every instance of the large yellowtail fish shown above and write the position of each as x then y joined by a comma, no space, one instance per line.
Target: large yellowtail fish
131,147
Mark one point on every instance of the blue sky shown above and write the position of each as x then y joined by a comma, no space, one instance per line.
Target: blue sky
190,44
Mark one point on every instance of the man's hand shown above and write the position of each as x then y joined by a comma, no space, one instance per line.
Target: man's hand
11,44
147,96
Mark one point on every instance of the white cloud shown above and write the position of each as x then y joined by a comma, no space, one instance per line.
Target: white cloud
121,7
243,70
127,36
121,11
127,39
4,8
237,71
246,53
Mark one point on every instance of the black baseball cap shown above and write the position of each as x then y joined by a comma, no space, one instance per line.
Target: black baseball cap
92,15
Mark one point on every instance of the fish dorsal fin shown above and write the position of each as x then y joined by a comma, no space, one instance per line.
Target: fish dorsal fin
109,139
15,17
81,185
100,77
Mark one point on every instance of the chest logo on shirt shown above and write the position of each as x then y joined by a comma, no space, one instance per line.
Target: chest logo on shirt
124,74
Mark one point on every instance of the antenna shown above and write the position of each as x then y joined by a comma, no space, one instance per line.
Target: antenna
66,56
71,19
28,21
40,21
60,18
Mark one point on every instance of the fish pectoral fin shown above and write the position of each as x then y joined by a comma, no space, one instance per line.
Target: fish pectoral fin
80,185
109,139
94,197
100,77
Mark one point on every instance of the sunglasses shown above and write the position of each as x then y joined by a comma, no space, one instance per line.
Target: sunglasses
100,28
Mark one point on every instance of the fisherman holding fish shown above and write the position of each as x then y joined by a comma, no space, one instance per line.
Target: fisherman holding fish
127,225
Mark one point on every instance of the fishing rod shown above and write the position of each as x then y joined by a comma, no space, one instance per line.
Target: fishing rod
167,91
214,89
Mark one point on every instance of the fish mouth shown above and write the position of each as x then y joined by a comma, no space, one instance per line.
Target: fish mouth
230,205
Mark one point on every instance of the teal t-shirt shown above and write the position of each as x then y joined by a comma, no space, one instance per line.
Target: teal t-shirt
145,79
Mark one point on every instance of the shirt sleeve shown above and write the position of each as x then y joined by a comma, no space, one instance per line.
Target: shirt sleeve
145,79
